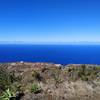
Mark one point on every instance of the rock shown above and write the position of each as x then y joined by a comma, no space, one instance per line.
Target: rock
21,62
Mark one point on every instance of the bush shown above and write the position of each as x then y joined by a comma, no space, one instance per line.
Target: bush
83,72
7,95
5,79
35,88
36,75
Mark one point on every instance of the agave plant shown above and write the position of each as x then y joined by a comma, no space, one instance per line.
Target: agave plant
7,95
35,88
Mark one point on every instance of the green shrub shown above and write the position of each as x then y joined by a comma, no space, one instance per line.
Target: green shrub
5,79
35,88
7,95
36,75
83,72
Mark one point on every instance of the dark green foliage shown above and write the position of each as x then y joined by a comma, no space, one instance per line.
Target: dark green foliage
5,79
84,72
37,76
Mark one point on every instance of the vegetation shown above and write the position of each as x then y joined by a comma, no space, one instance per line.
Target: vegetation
5,79
7,95
20,80
36,76
83,72
35,88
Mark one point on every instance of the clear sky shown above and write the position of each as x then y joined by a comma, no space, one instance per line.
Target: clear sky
50,20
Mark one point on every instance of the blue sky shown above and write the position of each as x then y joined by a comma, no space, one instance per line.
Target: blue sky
50,20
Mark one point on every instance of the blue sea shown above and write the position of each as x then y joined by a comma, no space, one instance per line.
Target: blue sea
63,54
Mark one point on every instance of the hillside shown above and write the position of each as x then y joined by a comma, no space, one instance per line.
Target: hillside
47,81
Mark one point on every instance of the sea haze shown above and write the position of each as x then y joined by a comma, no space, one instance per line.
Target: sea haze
64,54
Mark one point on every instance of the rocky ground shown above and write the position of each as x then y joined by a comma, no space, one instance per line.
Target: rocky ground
47,81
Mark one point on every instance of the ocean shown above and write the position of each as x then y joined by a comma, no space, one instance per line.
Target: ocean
60,54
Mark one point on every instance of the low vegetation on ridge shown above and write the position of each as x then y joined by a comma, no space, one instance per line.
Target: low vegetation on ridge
17,80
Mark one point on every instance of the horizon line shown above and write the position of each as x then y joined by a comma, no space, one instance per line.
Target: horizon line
52,43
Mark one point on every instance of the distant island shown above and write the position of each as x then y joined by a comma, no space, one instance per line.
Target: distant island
48,81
